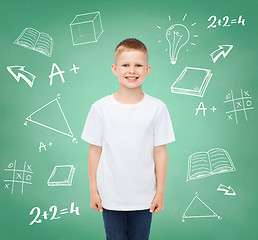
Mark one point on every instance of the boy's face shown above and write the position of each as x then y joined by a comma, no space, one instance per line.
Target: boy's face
131,68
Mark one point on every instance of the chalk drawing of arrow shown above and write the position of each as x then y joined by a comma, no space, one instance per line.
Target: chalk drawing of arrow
18,72
222,50
228,190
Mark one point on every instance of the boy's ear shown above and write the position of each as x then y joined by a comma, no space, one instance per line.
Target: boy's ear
113,67
148,69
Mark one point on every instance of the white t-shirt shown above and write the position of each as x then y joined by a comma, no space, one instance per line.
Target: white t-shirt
127,133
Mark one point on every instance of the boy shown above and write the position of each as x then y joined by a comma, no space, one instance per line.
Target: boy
128,132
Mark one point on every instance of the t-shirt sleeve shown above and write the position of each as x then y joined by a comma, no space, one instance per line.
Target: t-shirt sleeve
163,130
92,132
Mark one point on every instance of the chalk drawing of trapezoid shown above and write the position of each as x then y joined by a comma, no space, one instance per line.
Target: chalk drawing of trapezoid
51,116
198,209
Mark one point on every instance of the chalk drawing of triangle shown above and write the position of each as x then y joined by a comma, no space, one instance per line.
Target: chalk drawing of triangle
198,209
51,116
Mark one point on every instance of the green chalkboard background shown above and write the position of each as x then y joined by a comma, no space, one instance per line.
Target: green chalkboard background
147,21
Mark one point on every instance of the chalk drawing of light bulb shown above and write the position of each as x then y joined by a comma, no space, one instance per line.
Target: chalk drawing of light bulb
177,36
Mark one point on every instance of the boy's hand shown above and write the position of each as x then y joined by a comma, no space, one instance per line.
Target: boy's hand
157,203
95,202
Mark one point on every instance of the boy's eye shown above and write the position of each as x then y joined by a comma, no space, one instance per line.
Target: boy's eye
125,65
138,65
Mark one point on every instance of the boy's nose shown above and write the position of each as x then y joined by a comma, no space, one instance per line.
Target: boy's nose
132,69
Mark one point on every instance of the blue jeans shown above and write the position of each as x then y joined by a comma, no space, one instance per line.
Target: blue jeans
127,225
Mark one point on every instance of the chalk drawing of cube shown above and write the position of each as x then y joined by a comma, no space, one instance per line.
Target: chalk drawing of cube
86,28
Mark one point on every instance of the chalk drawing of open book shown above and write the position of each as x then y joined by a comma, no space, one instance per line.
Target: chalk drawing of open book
35,40
204,164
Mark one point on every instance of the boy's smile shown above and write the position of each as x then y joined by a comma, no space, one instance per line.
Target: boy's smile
131,68
131,78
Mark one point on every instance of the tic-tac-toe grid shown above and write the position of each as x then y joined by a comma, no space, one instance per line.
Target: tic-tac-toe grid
18,176
242,103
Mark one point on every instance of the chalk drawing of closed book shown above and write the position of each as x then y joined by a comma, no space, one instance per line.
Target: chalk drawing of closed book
192,81
205,164
61,176
35,40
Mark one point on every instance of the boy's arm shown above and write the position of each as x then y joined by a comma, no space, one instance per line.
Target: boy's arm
160,160
93,161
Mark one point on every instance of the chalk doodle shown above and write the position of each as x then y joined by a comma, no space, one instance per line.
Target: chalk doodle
59,72
61,176
44,146
45,118
177,36
223,50
229,191
225,22
205,164
74,69
240,104
38,41
53,212
213,109
199,209
18,73
18,176
192,81
86,28
202,108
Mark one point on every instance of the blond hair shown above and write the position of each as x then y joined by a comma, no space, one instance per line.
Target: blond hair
130,44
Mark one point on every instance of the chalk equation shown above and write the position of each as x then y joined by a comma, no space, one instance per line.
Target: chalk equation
52,213
18,176
225,22
240,104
